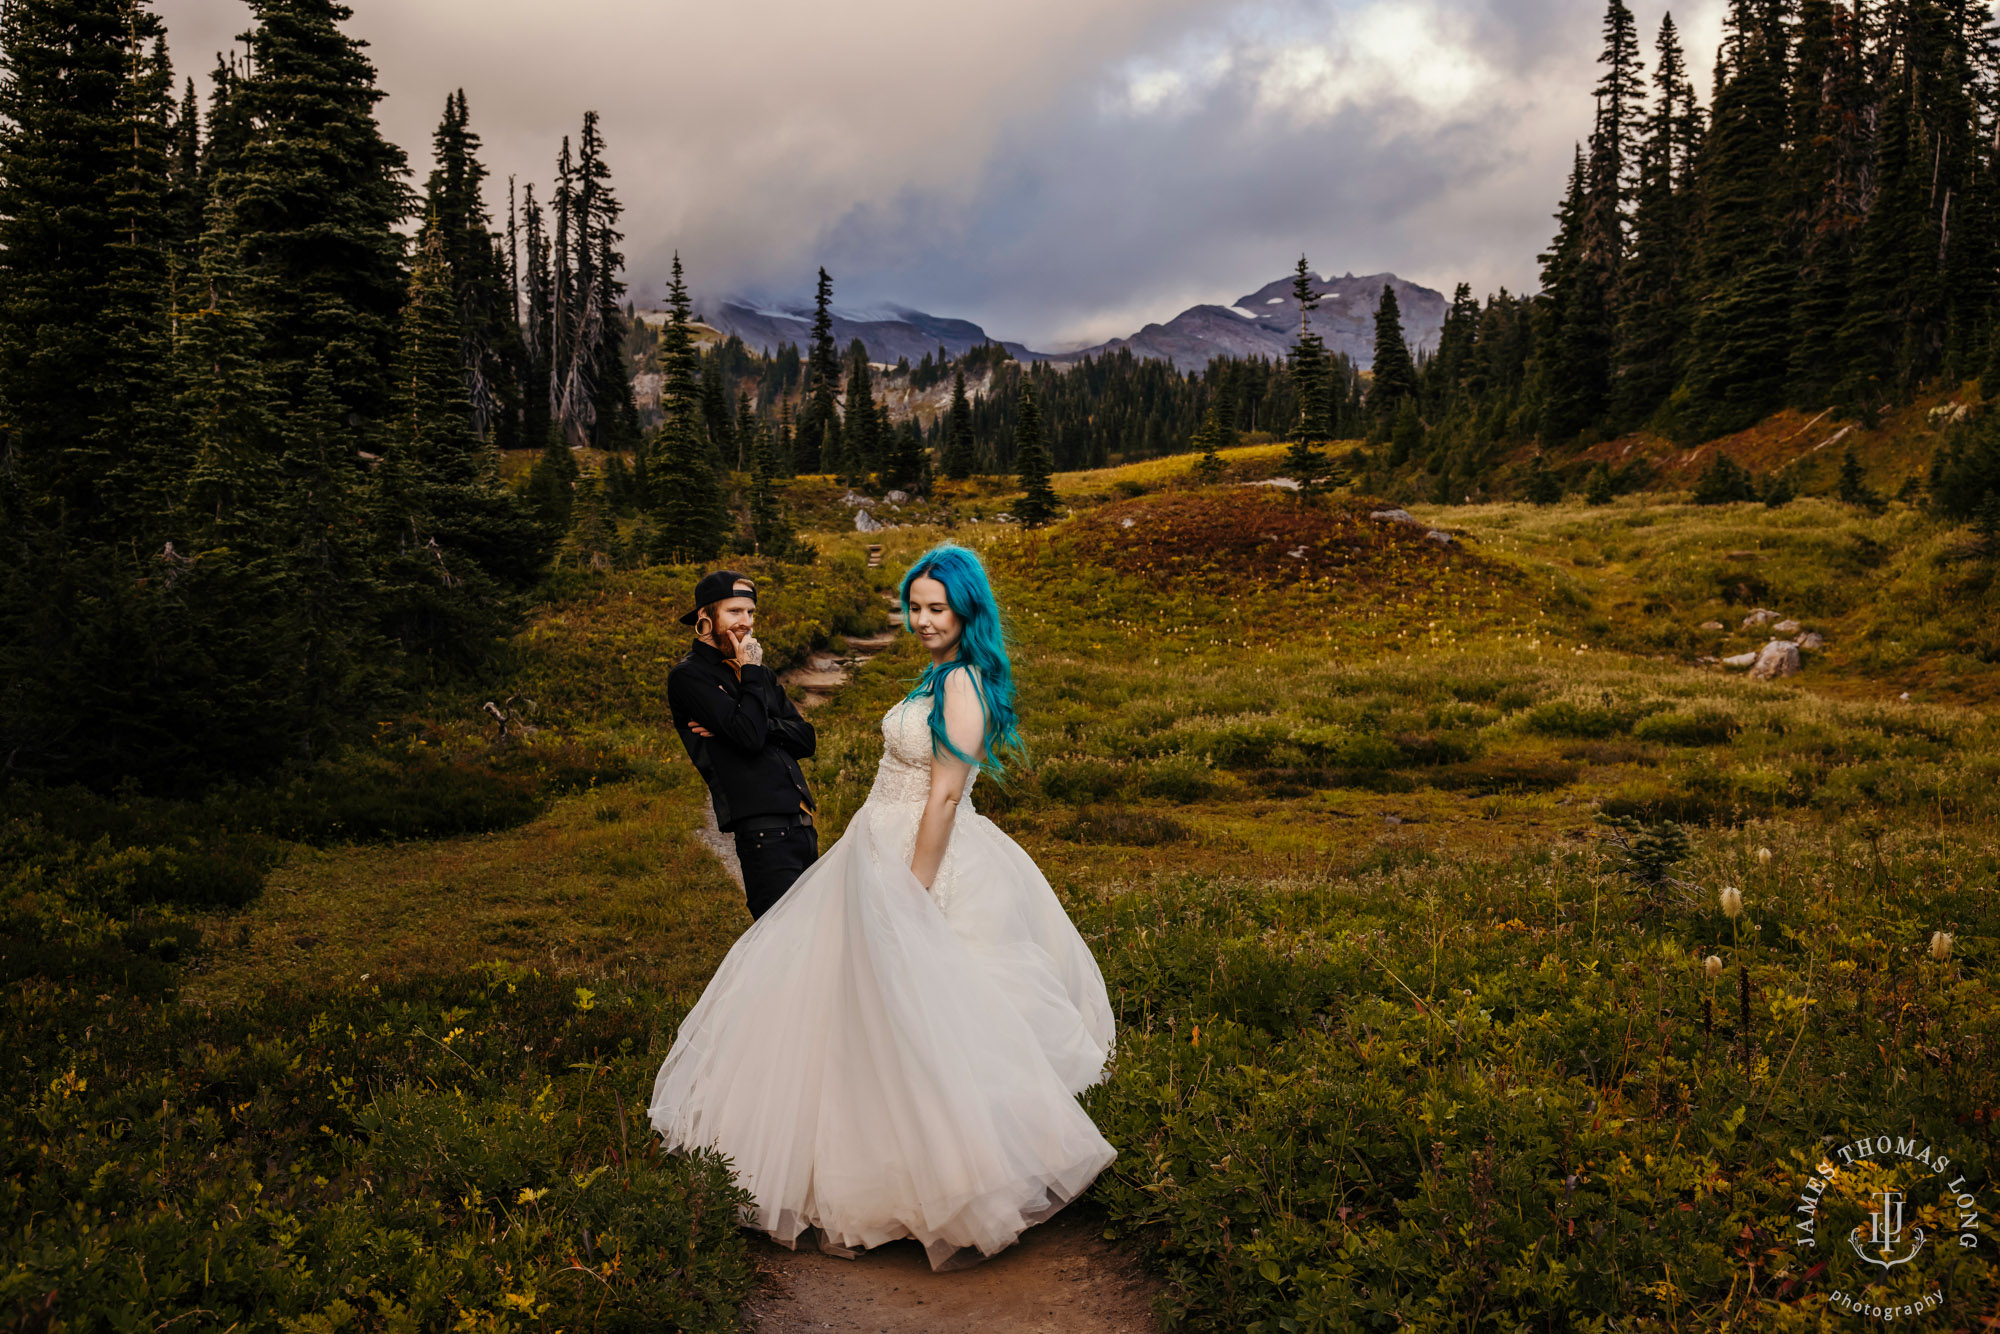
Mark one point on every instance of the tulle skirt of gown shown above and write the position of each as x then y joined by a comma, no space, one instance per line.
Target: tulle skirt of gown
879,1062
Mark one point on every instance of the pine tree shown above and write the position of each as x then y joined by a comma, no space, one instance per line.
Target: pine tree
1031,462
1724,482
1574,353
455,540
490,348
908,465
1738,342
1222,403
326,282
718,428
1309,374
746,432
537,328
771,532
592,540
1853,488
687,504
82,223
1395,371
960,457
1652,308
1208,468
552,483
1597,488
1542,487
861,445
1830,114
1586,332
819,418
1406,436
600,296
344,661
187,194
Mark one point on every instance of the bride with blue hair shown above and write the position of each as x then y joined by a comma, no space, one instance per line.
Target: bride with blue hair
894,1049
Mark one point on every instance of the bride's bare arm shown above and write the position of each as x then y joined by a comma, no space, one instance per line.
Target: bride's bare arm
965,724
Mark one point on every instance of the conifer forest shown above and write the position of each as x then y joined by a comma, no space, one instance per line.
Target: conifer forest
1529,784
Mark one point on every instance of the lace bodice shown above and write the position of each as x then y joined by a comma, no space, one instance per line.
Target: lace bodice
904,774
903,781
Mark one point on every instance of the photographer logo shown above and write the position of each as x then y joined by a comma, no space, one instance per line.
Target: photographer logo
1902,1208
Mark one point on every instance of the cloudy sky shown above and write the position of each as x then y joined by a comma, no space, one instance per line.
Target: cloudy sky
1061,171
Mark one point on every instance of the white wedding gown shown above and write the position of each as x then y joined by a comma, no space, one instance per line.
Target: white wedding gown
881,1061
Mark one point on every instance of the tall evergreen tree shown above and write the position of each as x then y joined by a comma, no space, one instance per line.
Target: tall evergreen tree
456,540
861,446
718,427
1652,307
687,504
819,419
960,456
537,327
82,217
1031,461
1309,374
600,295
314,196
187,195
1743,283
771,532
1573,370
1831,111
1395,369
490,349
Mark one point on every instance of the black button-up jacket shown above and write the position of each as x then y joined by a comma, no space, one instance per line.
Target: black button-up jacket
751,760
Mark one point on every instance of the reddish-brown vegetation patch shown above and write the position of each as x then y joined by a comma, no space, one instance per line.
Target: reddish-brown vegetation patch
1253,537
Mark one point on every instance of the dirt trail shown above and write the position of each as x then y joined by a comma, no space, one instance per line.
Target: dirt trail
1060,1278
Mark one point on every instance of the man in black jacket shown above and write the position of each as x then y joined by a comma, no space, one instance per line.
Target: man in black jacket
746,739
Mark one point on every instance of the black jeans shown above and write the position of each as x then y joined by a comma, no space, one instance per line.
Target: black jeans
772,859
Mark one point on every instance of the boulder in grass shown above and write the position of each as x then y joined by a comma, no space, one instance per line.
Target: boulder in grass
1393,516
1439,536
1713,627
1761,616
1786,627
864,522
1740,660
1811,639
1778,658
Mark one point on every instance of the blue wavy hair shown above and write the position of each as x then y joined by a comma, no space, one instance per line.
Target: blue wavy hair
983,644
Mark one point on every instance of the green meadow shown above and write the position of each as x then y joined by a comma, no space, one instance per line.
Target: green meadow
1404,859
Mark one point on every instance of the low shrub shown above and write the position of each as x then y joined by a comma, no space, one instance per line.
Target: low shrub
1420,1101
1118,824
1505,773
1566,718
466,1152
1181,778
1080,781
1702,727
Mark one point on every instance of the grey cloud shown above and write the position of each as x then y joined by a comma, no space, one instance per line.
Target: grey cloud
971,160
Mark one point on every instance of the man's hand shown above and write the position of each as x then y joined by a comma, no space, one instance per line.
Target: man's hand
699,730
749,652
